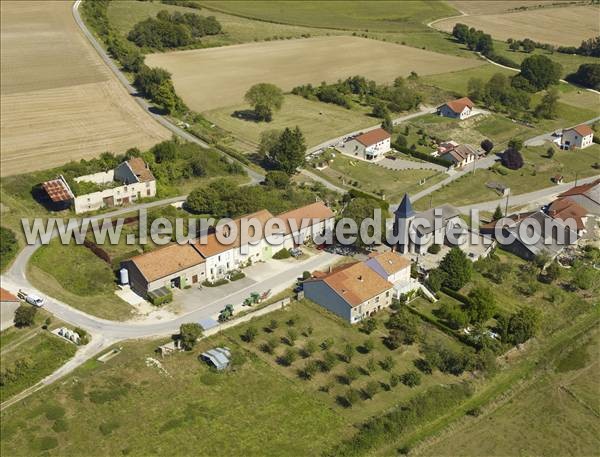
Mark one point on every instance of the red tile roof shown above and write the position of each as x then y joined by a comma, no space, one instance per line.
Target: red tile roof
564,208
57,190
140,169
355,283
580,190
583,130
373,137
6,296
316,210
167,260
459,105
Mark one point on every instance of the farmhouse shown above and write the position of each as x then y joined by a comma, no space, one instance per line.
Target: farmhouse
564,209
175,265
128,182
534,233
395,269
368,146
461,108
579,137
352,291
209,258
585,195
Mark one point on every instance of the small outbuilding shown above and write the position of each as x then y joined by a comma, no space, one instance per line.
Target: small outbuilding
217,357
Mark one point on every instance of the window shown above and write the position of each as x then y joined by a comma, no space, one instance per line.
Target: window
387,294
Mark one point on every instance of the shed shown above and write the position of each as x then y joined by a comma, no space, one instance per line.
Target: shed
217,357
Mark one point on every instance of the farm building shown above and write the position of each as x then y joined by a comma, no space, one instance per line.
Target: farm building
128,182
565,209
175,265
578,137
368,146
352,291
210,258
217,357
585,195
395,269
461,108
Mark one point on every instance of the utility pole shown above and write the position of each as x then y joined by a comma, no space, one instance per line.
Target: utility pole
506,207
575,180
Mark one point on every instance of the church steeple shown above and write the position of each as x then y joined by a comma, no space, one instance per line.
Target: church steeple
405,209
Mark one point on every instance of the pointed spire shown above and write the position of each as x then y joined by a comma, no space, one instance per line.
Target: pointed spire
405,209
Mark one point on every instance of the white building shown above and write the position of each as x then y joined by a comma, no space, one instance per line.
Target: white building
460,155
368,146
580,137
128,182
395,269
461,108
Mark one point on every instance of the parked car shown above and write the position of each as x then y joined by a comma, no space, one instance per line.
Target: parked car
35,300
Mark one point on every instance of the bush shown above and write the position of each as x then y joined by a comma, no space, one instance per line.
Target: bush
282,254
411,379
188,334
24,316
218,282
84,337
249,335
236,275
434,249
159,300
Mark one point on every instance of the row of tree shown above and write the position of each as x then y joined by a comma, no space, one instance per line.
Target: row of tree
172,30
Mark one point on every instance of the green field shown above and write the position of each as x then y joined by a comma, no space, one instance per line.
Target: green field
559,412
535,174
125,14
128,406
65,272
372,178
457,81
390,16
318,121
42,352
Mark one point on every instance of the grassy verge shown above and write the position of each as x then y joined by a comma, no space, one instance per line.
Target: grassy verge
29,355
66,271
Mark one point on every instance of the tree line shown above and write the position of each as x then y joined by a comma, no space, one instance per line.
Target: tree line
173,30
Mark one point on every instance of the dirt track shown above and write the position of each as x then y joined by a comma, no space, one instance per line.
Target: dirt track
219,77
59,101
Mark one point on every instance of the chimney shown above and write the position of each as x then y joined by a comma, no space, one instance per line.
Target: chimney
330,268
360,278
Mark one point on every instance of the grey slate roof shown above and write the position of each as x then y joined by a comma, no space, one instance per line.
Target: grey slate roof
405,209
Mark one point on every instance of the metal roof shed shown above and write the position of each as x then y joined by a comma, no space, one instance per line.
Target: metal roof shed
217,358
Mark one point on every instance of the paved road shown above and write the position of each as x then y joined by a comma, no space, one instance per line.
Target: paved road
541,139
254,176
538,196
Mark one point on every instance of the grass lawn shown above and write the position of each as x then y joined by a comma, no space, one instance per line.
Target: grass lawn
578,97
129,406
42,352
52,270
535,174
373,178
318,121
125,14
391,16
556,411
457,81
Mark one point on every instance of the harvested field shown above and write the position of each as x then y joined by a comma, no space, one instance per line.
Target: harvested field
59,101
495,6
219,77
546,25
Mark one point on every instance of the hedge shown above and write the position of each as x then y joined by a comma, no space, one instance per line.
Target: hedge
282,254
236,276
218,282
423,156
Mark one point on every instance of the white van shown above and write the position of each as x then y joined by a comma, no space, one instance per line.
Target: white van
35,300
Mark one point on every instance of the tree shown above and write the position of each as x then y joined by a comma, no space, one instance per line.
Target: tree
512,159
515,144
8,245
24,316
288,153
188,334
368,345
264,98
368,325
515,45
458,268
547,109
411,378
487,146
267,141
406,323
550,152
387,363
540,71
288,357
461,32
454,315
498,214
523,325
400,142
476,89
250,334
482,304
380,110
552,271
309,370
359,209
528,45
348,353
277,179
588,75
387,124
371,389
436,279
352,374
